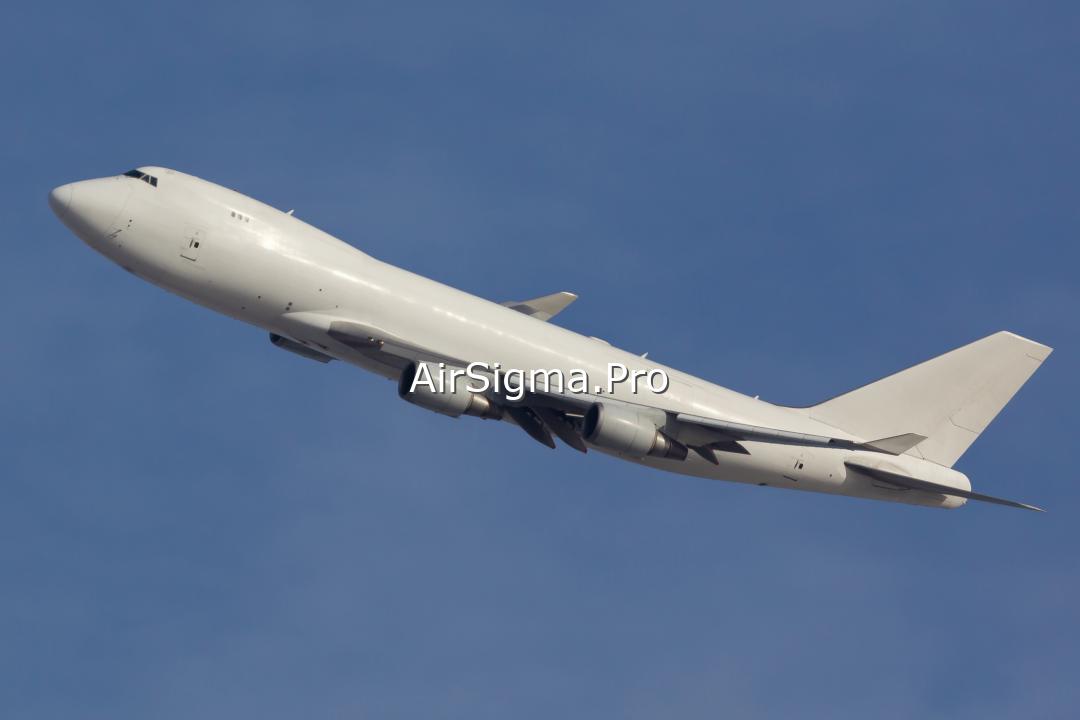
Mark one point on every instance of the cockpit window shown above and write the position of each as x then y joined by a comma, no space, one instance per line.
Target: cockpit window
139,175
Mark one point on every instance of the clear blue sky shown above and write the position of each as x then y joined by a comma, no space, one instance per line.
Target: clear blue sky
790,200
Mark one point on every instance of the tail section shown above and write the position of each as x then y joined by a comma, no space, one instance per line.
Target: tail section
949,399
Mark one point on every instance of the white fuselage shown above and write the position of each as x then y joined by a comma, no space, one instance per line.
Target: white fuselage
240,257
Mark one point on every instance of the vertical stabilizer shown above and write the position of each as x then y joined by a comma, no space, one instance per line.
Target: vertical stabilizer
949,399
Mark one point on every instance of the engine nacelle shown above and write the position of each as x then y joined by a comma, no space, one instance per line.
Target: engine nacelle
453,401
624,430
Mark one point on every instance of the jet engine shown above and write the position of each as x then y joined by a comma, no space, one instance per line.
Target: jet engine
624,430
455,400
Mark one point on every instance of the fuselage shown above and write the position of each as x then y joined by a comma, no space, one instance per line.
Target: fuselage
240,257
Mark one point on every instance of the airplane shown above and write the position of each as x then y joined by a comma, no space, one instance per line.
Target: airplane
895,439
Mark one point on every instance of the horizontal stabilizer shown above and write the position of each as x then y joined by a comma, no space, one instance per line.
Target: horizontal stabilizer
897,444
543,308
931,487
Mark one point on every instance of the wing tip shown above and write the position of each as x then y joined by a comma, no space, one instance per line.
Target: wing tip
1035,349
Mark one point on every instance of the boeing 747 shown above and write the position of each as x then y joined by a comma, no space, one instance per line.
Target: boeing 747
896,439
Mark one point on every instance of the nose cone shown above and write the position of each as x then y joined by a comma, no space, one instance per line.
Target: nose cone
90,208
59,199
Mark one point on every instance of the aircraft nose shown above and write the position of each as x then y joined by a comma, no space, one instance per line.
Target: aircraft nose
90,207
59,198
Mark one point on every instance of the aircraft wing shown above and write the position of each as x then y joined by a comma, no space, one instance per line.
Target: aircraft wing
704,435
394,351
738,431
543,413
543,308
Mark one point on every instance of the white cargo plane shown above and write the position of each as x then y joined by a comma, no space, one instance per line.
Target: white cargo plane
895,439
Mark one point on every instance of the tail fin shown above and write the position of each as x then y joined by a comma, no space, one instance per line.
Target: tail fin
949,399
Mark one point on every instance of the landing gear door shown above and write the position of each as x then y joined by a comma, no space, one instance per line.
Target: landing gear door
191,242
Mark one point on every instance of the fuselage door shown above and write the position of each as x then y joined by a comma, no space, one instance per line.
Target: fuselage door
192,239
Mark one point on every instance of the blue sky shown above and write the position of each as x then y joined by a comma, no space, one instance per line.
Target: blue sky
790,200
